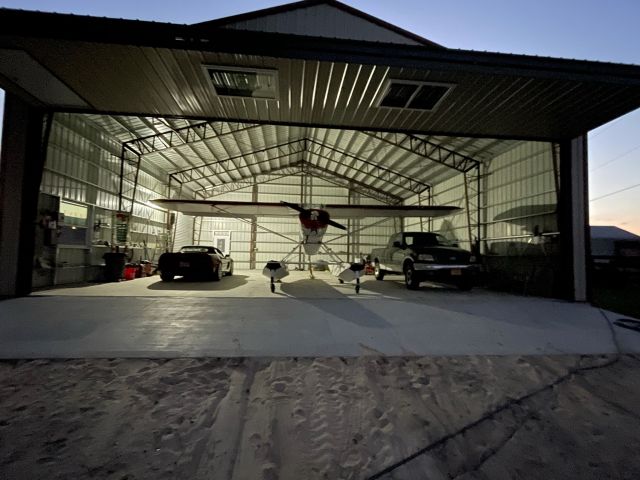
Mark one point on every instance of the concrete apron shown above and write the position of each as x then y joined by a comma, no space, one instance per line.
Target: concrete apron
238,316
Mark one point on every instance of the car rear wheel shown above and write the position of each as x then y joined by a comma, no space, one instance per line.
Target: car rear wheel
217,273
410,278
166,276
378,272
230,272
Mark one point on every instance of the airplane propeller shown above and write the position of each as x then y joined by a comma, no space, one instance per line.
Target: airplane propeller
306,211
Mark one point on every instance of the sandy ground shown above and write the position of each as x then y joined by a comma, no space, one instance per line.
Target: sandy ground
329,418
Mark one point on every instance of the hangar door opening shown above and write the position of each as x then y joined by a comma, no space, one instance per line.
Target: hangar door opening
102,172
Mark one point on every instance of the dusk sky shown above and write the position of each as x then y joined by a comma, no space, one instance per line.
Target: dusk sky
576,29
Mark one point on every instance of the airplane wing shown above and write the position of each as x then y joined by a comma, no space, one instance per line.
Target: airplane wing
213,208
404,211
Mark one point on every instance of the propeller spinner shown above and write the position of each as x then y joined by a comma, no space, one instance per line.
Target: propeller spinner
314,218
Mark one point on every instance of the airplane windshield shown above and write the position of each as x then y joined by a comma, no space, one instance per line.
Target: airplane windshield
426,239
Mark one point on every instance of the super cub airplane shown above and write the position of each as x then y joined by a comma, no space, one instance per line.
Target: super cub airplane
313,225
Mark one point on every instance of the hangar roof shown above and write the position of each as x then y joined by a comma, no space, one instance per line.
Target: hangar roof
320,18
148,68
334,91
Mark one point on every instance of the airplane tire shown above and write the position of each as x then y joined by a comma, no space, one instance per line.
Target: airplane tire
273,288
379,273
340,280
357,288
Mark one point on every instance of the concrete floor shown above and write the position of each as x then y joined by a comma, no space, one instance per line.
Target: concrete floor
240,317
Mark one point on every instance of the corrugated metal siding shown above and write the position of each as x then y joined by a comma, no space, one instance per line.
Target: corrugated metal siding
83,165
521,186
322,21
183,233
454,227
521,198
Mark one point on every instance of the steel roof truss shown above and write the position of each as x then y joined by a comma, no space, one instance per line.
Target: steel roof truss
271,153
427,149
185,135
302,167
368,168
355,185
262,178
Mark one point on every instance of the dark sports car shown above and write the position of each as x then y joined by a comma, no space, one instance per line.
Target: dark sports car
195,261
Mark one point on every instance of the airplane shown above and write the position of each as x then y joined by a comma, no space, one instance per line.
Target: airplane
314,222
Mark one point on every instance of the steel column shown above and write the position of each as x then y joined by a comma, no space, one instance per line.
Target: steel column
573,217
25,137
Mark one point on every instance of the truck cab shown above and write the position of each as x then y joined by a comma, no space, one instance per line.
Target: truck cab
421,256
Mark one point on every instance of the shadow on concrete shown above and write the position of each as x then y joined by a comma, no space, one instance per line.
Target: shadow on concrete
325,297
395,286
180,283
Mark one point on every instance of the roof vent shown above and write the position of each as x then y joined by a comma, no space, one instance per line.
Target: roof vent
413,95
243,82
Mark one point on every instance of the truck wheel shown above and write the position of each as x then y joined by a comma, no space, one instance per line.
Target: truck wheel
465,285
166,276
378,272
410,277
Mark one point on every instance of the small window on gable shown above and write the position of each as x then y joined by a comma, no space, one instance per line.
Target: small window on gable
243,82
413,95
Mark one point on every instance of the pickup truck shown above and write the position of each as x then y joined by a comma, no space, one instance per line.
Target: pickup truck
195,261
421,256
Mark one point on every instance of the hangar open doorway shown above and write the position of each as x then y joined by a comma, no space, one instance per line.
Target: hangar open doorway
386,115
100,167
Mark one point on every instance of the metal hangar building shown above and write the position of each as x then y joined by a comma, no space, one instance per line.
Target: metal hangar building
311,102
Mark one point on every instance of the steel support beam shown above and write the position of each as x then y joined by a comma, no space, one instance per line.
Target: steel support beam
265,177
427,149
24,146
573,219
253,243
367,168
209,170
186,135
261,156
355,185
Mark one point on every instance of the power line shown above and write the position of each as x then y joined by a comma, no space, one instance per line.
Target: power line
616,158
604,128
615,192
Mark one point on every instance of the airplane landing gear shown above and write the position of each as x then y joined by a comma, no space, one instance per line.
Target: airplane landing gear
357,284
273,286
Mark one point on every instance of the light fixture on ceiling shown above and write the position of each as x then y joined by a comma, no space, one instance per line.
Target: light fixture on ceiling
243,82
413,95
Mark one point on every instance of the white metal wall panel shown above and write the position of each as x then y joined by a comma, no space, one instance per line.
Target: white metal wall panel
521,200
323,21
183,234
83,165
453,227
521,187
